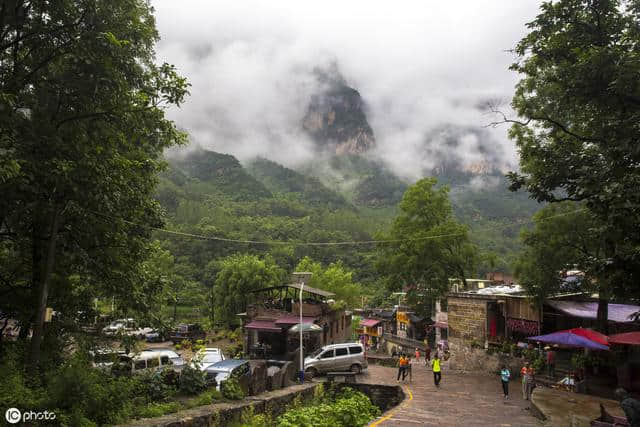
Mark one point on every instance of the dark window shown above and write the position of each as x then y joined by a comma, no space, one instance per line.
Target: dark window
341,352
140,364
327,354
355,350
165,360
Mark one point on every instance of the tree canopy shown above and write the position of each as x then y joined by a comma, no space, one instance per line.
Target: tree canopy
236,276
579,103
580,98
428,245
83,131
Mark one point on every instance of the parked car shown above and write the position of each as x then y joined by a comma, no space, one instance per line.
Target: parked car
207,357
104,358
177,360
154,336
145,361
336,357
126,327
230,368
187,331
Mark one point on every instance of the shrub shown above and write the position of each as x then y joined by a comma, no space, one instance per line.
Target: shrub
186,344
350,409
250,419
153,410
231,389
192,381
206,398
76,388
153,385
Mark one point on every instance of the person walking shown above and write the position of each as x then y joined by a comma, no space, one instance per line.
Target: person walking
402,367
551,362
435,366
531,382
523,375
417,355
505,375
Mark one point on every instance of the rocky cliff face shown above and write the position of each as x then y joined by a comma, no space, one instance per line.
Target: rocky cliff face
337,122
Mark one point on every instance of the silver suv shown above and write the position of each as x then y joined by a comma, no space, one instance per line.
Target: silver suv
336,357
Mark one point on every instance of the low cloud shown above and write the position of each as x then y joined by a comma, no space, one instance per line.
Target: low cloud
425,71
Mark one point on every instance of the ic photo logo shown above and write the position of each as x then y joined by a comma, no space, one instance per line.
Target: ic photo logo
13,415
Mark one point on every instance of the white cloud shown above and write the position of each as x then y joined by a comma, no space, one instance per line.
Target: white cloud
420,66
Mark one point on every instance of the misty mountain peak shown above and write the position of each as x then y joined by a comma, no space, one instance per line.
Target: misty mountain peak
336,119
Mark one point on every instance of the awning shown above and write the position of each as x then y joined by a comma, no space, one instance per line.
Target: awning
263,325
621,313
577,337
370,323
629,338
293,320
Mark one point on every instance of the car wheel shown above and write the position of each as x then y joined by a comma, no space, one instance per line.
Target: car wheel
356,368
311,373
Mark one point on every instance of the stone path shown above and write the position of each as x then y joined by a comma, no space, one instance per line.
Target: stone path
461,400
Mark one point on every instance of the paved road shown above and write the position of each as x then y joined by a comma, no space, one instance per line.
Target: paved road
461,400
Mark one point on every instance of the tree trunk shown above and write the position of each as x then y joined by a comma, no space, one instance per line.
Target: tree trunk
43,291
603,309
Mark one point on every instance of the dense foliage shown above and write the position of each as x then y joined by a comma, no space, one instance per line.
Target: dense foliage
579,101
428,245
83,131
350,408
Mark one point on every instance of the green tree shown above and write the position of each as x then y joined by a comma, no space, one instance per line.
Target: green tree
427,245
579,102
236,277
334,278
83,130
564,237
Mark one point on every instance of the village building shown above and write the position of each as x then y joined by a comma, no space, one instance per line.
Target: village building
270,323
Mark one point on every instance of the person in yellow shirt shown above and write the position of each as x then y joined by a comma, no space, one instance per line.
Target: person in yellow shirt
435,366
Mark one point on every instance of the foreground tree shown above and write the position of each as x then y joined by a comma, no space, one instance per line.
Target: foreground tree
427,245
579,104
83,131
564,237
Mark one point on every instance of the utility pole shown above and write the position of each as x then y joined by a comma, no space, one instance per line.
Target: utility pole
301,277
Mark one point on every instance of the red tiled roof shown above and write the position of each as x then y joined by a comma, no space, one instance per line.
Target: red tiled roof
369,323
263,325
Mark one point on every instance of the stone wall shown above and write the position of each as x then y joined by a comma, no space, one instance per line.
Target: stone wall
467,319
384,397
465,358
274,402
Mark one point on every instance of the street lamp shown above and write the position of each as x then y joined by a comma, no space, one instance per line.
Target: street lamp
301,278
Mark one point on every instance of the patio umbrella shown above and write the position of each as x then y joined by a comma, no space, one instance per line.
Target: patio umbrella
572,338
306,327
591,334
629,338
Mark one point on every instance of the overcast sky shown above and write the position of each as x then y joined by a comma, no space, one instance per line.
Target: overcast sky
419,66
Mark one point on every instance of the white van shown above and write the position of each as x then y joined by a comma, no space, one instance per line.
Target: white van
336,357
146,360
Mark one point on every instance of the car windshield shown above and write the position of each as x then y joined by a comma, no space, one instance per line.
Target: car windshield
211,358
316,353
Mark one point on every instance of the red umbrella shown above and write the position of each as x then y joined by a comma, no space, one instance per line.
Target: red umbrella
590,334
630,338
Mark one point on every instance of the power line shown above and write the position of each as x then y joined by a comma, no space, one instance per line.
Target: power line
345,243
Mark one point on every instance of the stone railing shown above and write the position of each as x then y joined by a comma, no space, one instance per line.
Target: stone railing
404,342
